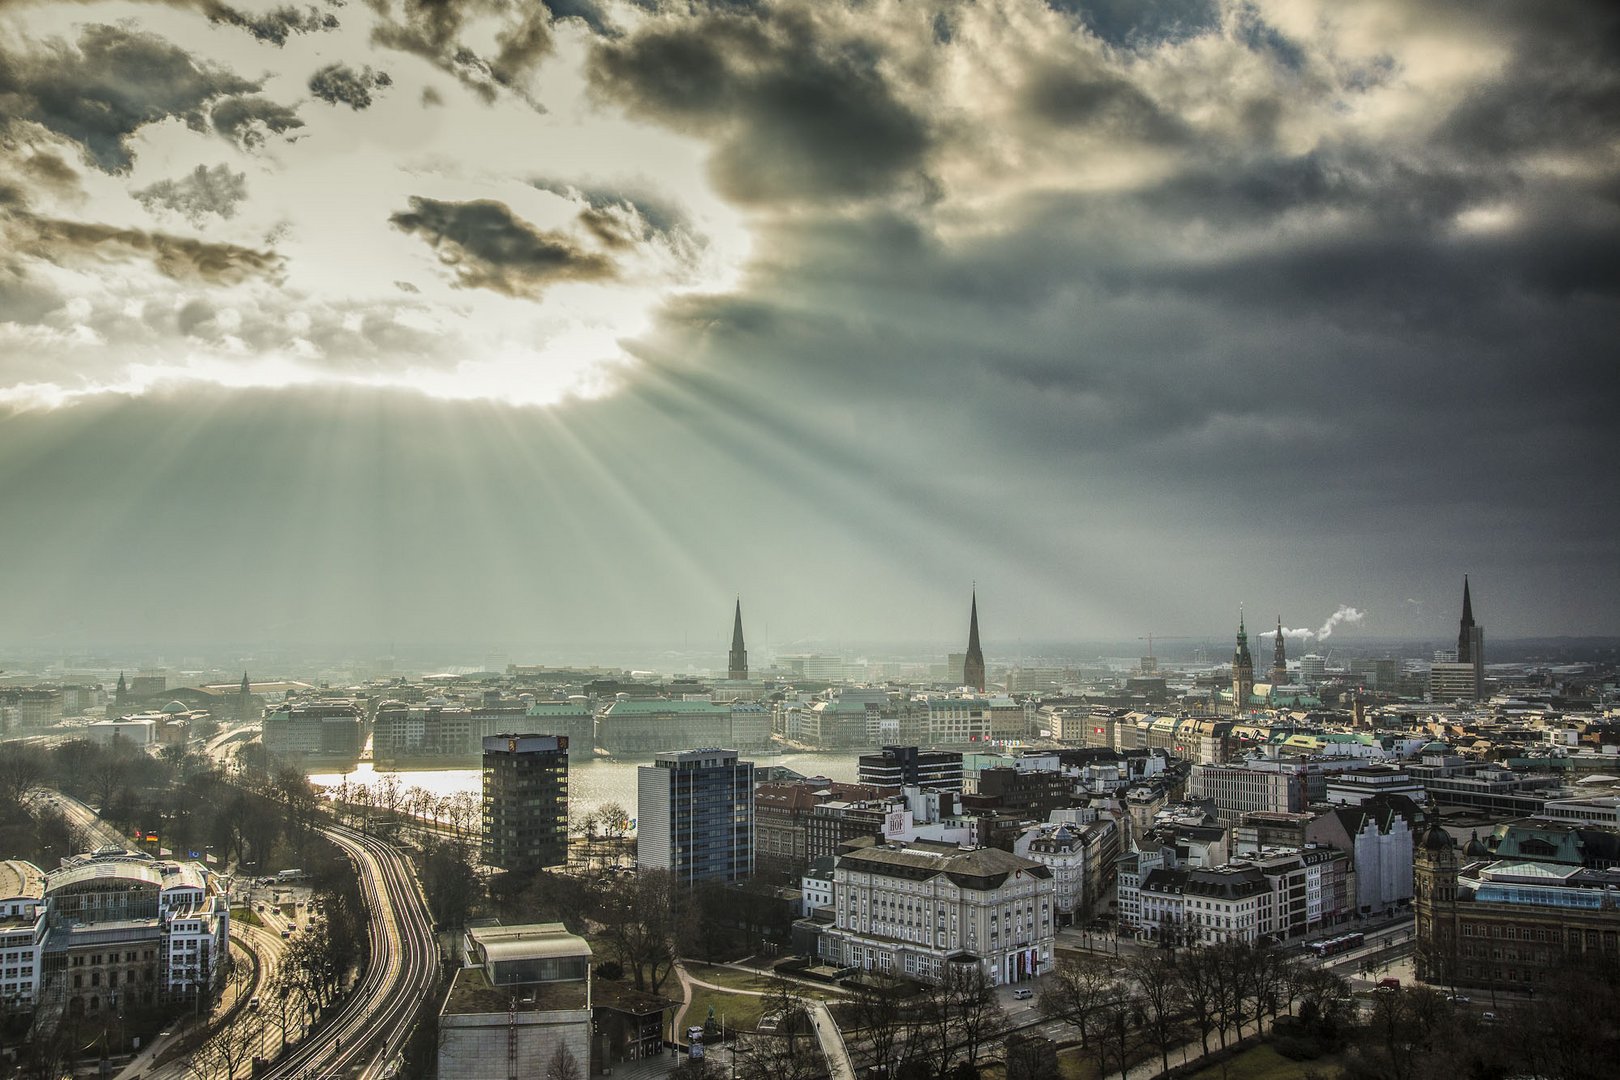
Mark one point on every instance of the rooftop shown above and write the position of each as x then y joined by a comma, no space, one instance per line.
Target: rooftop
526,941
472,992
21,880
976,868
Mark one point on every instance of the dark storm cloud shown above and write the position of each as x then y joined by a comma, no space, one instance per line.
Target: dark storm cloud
273,27
114,82
433,30
340,84
182,258
250,120
201,192
489,247
795,111
1068,96
1132,23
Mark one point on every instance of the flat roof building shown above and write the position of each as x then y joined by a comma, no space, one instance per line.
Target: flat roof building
525,823
696,815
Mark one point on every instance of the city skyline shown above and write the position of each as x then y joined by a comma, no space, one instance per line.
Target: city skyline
341,326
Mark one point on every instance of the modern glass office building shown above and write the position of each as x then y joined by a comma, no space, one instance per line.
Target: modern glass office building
695,815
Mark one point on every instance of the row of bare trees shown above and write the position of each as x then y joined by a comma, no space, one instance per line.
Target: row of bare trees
1125,1009
947,1024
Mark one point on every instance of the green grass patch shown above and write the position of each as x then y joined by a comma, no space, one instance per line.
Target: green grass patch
1264,1063
246,917
740,1012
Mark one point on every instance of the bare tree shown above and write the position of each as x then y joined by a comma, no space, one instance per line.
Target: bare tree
21,767
1154,974
1200,990
1077,989
980,1018
563,1065
641,915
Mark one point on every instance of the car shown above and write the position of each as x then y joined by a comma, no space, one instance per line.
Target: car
1023,993
1389,984
1458,999
253,1003
1488,1017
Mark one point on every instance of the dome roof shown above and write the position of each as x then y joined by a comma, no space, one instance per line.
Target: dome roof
1476,847
174,707
1437,839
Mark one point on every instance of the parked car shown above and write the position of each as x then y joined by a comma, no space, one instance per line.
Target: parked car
1023,993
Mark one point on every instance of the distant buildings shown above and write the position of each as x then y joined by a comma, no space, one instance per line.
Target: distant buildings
640,726
1274,786
330,728
525,823
695,815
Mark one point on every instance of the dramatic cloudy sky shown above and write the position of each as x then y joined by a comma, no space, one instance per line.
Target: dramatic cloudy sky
533,323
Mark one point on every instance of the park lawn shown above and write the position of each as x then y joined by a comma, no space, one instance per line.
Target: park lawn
740,1012
1264,1063
246,916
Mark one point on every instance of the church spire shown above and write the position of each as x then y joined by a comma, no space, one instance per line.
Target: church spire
1465,635
1279,657
737,663
973,662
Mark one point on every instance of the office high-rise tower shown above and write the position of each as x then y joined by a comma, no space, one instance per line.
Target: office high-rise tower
525,801
695,815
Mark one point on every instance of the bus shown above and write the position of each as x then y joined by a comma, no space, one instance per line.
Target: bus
290,875
1337,945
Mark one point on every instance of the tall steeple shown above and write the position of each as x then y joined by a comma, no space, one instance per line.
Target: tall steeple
121,694
1279,658
973,662
1465,635
1242,670
737,663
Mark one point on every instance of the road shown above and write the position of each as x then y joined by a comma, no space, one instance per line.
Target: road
82,817
372,1022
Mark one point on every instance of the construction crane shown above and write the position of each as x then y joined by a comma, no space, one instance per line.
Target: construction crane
1164,637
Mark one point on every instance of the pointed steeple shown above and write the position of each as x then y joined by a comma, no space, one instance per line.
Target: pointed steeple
973,662
1465,635
247,687
737,663
1279,657
121,694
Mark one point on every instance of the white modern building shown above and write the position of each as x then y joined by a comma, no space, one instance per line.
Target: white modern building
908,908
22,933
